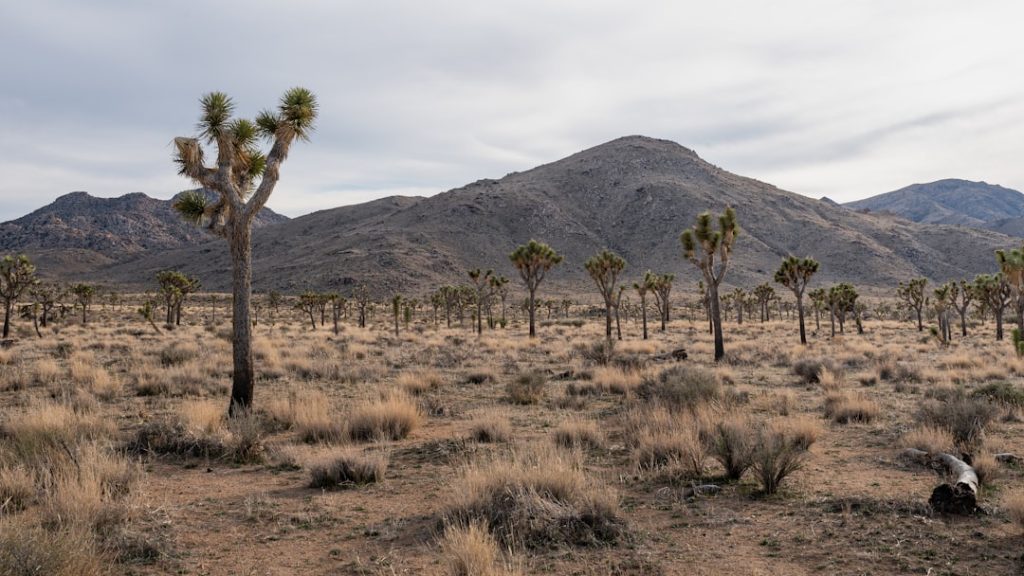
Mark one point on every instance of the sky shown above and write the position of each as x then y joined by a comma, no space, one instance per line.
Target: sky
844,99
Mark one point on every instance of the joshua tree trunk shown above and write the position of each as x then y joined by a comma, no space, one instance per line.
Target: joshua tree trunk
800,313
241,287
999,323
832,319
618,326
8,309
963,322
643,314
716,319
920,325
533,328
479,318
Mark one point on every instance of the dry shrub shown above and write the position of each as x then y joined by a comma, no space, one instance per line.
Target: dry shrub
987,468
781,449
349,469
491,426
844,408
85,372
418,381
28,550
810,369
178,353
731,441
965,418
470,551
536,499
931,439
44,430
1013,503
615,380
17,488
240,441
203,416
892,371
481,376
600,353
1001,392
578,433
681,387
527,388
661,438
391,418
310,414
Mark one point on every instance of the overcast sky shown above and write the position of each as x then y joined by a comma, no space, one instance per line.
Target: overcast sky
839,98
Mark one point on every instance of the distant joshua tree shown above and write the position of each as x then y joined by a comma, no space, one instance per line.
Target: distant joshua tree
309,302
242,181
499,287
396,306
913,297
661,286
642,287
961,295
604,268
533,260
17,274
46,296
819,297
739,296
842,300
710,250
362,298
795,273
481,285
175,287
942,303
84,294
995,292
1011,265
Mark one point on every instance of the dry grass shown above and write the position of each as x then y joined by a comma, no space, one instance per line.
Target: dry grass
661,438
471,551
527,388
931,439
491,426
391,418
578,433
349,469
781,449
844,408
418,381
1013,503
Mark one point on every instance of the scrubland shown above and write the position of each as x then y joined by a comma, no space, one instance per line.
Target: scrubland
441,452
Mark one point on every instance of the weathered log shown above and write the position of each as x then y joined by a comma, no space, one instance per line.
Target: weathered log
1007,458
695,490
960,497
679,354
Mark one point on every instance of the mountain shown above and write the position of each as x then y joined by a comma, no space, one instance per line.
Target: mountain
962,202
633,195
79,232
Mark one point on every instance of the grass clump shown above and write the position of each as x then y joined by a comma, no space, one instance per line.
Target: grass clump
965,418
349,469
681,387
782,449
391,418
527,388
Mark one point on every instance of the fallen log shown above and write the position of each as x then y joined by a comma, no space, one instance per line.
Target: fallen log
958,497
1007,458
678,355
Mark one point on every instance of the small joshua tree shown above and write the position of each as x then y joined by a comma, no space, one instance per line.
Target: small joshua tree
795,273
604,269
961,296
84,294
175,287
710,250
534,260
661,286
481,286
913,297
17,274
242,181
942,303
642,288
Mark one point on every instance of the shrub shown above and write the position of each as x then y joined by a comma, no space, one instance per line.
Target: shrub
417,382
731,441
681,387
481,376
470,551
661,438
537,499
810,369
528,388
491,427
931,439
987,468
600,353
1014,505
178,353
17,488
27,550
1001,392
350,469
781,449
843,408
576,433
965,418
391,418
311,417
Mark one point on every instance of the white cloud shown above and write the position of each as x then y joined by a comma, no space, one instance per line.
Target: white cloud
844,99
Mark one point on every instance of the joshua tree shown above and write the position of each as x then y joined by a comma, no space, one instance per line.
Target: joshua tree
942,303
499,286
175,287
147,312
842,300
1011,265
46,295
661,286
309,302
84,293
338,303
795,273
604,269
995,291
961,296
709,250
913,297
362,298
533,260
274,301
242,182
819,298
642,288
17,274
764,293
618,305
396,306
739,296
481,285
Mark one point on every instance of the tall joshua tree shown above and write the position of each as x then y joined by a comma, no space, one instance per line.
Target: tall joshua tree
481,285
795,273
709,250
604,269
17,274
242,181
642,288
913,297
533,260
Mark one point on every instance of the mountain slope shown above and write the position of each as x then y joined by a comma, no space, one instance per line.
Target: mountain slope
633,195
962,202
79,231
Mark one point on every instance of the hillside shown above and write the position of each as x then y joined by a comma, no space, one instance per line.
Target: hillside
633,195
79,232
962,202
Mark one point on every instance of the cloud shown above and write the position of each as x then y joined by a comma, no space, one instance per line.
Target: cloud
847,99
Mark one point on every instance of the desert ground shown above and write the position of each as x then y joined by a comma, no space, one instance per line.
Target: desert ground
443,452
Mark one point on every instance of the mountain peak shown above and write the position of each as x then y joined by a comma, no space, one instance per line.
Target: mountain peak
948,201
